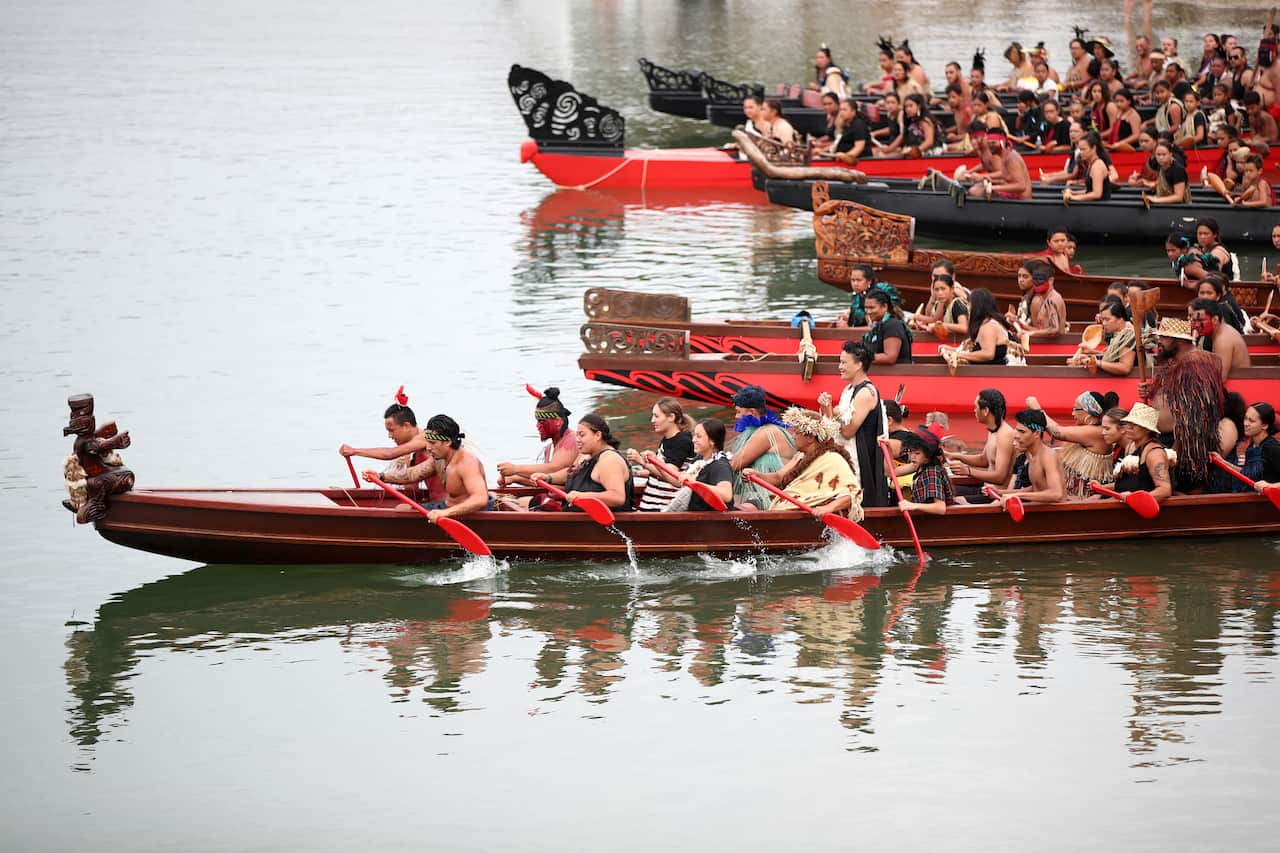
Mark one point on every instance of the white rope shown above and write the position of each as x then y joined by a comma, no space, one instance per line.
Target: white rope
606,176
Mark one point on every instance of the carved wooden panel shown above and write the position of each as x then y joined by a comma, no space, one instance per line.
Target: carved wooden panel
847,229
663,79
625,306
615,339
1250,295
784,155
554,111
976,262
723,92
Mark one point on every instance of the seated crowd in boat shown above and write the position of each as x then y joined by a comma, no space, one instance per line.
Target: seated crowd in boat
1086,113
848,454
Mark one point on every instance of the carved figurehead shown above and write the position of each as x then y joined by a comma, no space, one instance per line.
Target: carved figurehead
94,471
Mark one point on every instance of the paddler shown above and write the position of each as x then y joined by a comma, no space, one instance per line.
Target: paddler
457,467
931,489
602,472
410,448
821,475
1013,180
561,445
994,464
1043,466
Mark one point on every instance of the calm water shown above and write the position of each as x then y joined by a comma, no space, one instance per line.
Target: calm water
241,226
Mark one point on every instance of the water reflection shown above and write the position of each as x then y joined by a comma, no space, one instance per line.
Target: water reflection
855,640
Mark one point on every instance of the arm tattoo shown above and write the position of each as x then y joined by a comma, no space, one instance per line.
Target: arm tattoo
1161,474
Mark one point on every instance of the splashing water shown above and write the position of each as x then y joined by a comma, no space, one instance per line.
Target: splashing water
631,549
472,569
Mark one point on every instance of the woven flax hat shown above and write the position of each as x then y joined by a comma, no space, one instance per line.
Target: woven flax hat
1144,416
1172,327
810,423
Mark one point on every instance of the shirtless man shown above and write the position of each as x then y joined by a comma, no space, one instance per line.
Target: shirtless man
410,447
1218,337
1013,180
994,465
1267,70
1142,69
1043,467
1261,125
460,470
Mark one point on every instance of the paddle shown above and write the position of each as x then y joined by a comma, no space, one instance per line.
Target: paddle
1272,491
1139,304
807,353
1012,503
352,468
593,507
456,530
1140,502
702,490
850,530
897,488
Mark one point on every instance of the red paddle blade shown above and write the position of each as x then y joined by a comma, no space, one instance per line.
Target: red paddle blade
1015,508
1273,494
1143,504
851,530
595,508
708,494
464,536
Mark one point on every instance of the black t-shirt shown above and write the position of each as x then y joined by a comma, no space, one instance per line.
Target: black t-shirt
1175,175
1270,460
1056,134
890,327
677,450
856,130
714,472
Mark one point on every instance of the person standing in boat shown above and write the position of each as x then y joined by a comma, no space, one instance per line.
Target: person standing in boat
830,77
1043,466
994,464
675,448
821,474
560,445
458,468
1086,454
763,444
1217,336
602,473
1188,394
889,339
711,465
410,448
1147,467
861,422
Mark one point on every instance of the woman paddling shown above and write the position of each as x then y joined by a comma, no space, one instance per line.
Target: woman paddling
675,448
711,466
1262,454
763,444
821,474
931,490
603,473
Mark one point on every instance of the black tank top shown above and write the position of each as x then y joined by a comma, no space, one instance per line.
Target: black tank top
1106,182
580,481
1140,480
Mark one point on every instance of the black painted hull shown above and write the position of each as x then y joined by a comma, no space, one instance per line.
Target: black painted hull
1122,218
686,104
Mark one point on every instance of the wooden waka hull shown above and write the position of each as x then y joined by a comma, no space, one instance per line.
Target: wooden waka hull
715,379
253,527
848,233
1123,217
715,168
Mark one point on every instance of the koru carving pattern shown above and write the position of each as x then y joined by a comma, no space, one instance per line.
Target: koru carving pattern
784,155
662,79
554,111
624,306
613,339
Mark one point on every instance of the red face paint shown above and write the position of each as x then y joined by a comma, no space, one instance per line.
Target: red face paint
548,429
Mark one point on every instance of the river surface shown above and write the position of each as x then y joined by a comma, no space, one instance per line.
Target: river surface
242,225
